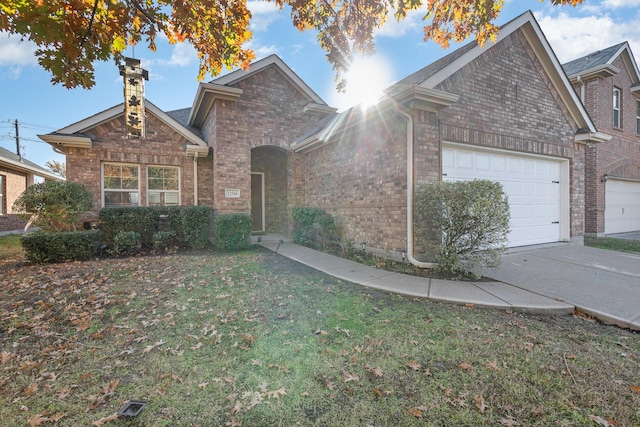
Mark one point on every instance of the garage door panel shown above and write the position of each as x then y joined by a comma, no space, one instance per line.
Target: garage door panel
622,201
531,185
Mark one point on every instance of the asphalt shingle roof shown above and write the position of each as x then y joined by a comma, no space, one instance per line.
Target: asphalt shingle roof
592,60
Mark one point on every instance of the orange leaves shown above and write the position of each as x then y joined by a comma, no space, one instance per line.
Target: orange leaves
635,388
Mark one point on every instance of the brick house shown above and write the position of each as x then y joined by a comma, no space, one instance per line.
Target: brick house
16,174
262,142
608,83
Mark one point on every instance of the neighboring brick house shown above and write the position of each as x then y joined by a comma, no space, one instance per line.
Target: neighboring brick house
608,83
262,142
16,174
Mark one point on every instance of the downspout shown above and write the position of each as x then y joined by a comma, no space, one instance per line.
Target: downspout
195,179
410,257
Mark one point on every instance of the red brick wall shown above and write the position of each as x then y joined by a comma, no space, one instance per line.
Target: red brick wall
360,177
14,185
619,157
162,146
268,113
506,104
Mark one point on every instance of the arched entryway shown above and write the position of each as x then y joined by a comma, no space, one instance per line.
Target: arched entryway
269,189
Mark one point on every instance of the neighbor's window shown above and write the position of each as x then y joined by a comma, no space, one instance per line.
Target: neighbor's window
638,117
617,110
1,194
163,186
120,185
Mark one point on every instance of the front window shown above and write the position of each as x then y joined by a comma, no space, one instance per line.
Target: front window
163,184
120,185
617,113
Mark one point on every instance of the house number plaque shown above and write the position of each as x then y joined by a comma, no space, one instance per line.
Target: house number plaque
232,193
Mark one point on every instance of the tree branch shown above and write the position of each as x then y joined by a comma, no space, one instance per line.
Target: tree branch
93,15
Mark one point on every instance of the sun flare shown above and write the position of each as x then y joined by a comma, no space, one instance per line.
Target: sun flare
367,77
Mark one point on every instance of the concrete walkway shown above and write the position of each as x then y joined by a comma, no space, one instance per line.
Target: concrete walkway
479,294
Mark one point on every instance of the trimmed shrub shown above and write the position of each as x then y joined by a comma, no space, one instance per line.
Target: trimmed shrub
163,240
142,220
54,205
195,226
232,231
464,225
313,227
126,243
43,247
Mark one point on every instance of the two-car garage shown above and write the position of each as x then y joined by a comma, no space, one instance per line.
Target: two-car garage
537,188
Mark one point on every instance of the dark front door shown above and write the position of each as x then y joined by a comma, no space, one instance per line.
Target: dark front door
257,201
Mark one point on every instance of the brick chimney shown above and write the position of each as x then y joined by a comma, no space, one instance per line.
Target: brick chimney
134,77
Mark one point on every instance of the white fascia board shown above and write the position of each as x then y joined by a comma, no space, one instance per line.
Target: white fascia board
592,137
478,50
541,47
206,95
93,121
238,75
65,140
198,150
603,70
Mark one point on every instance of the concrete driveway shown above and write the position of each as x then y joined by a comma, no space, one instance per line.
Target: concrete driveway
602,283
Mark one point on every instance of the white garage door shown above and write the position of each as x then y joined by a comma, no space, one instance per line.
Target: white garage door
533,185
622,211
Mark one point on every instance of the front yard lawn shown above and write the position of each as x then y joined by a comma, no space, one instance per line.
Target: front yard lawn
254,339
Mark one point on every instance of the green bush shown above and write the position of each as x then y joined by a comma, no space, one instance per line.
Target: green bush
163,240
126,243
464,225
313,227
43,247
191,224
232,231
54,205
142,220
195,226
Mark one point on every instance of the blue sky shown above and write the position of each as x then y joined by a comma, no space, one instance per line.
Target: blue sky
40,107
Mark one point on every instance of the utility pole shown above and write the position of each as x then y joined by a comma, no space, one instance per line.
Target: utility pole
18,140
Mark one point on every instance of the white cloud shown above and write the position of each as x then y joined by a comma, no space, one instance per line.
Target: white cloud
264,50
263,14
183,54
615,4
573,37
14,52
394,29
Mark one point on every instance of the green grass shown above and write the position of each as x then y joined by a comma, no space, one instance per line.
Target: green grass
10,247
254,339
613,244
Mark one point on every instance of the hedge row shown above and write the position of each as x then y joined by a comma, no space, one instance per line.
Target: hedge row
45,247
191,224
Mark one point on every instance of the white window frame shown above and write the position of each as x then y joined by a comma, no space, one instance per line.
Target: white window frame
121,190
617,107
177,192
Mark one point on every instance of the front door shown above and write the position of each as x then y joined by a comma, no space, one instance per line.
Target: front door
257,201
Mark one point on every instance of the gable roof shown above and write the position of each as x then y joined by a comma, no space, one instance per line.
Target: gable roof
19,163
600,63
74,134
430,76
222,88
271,60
